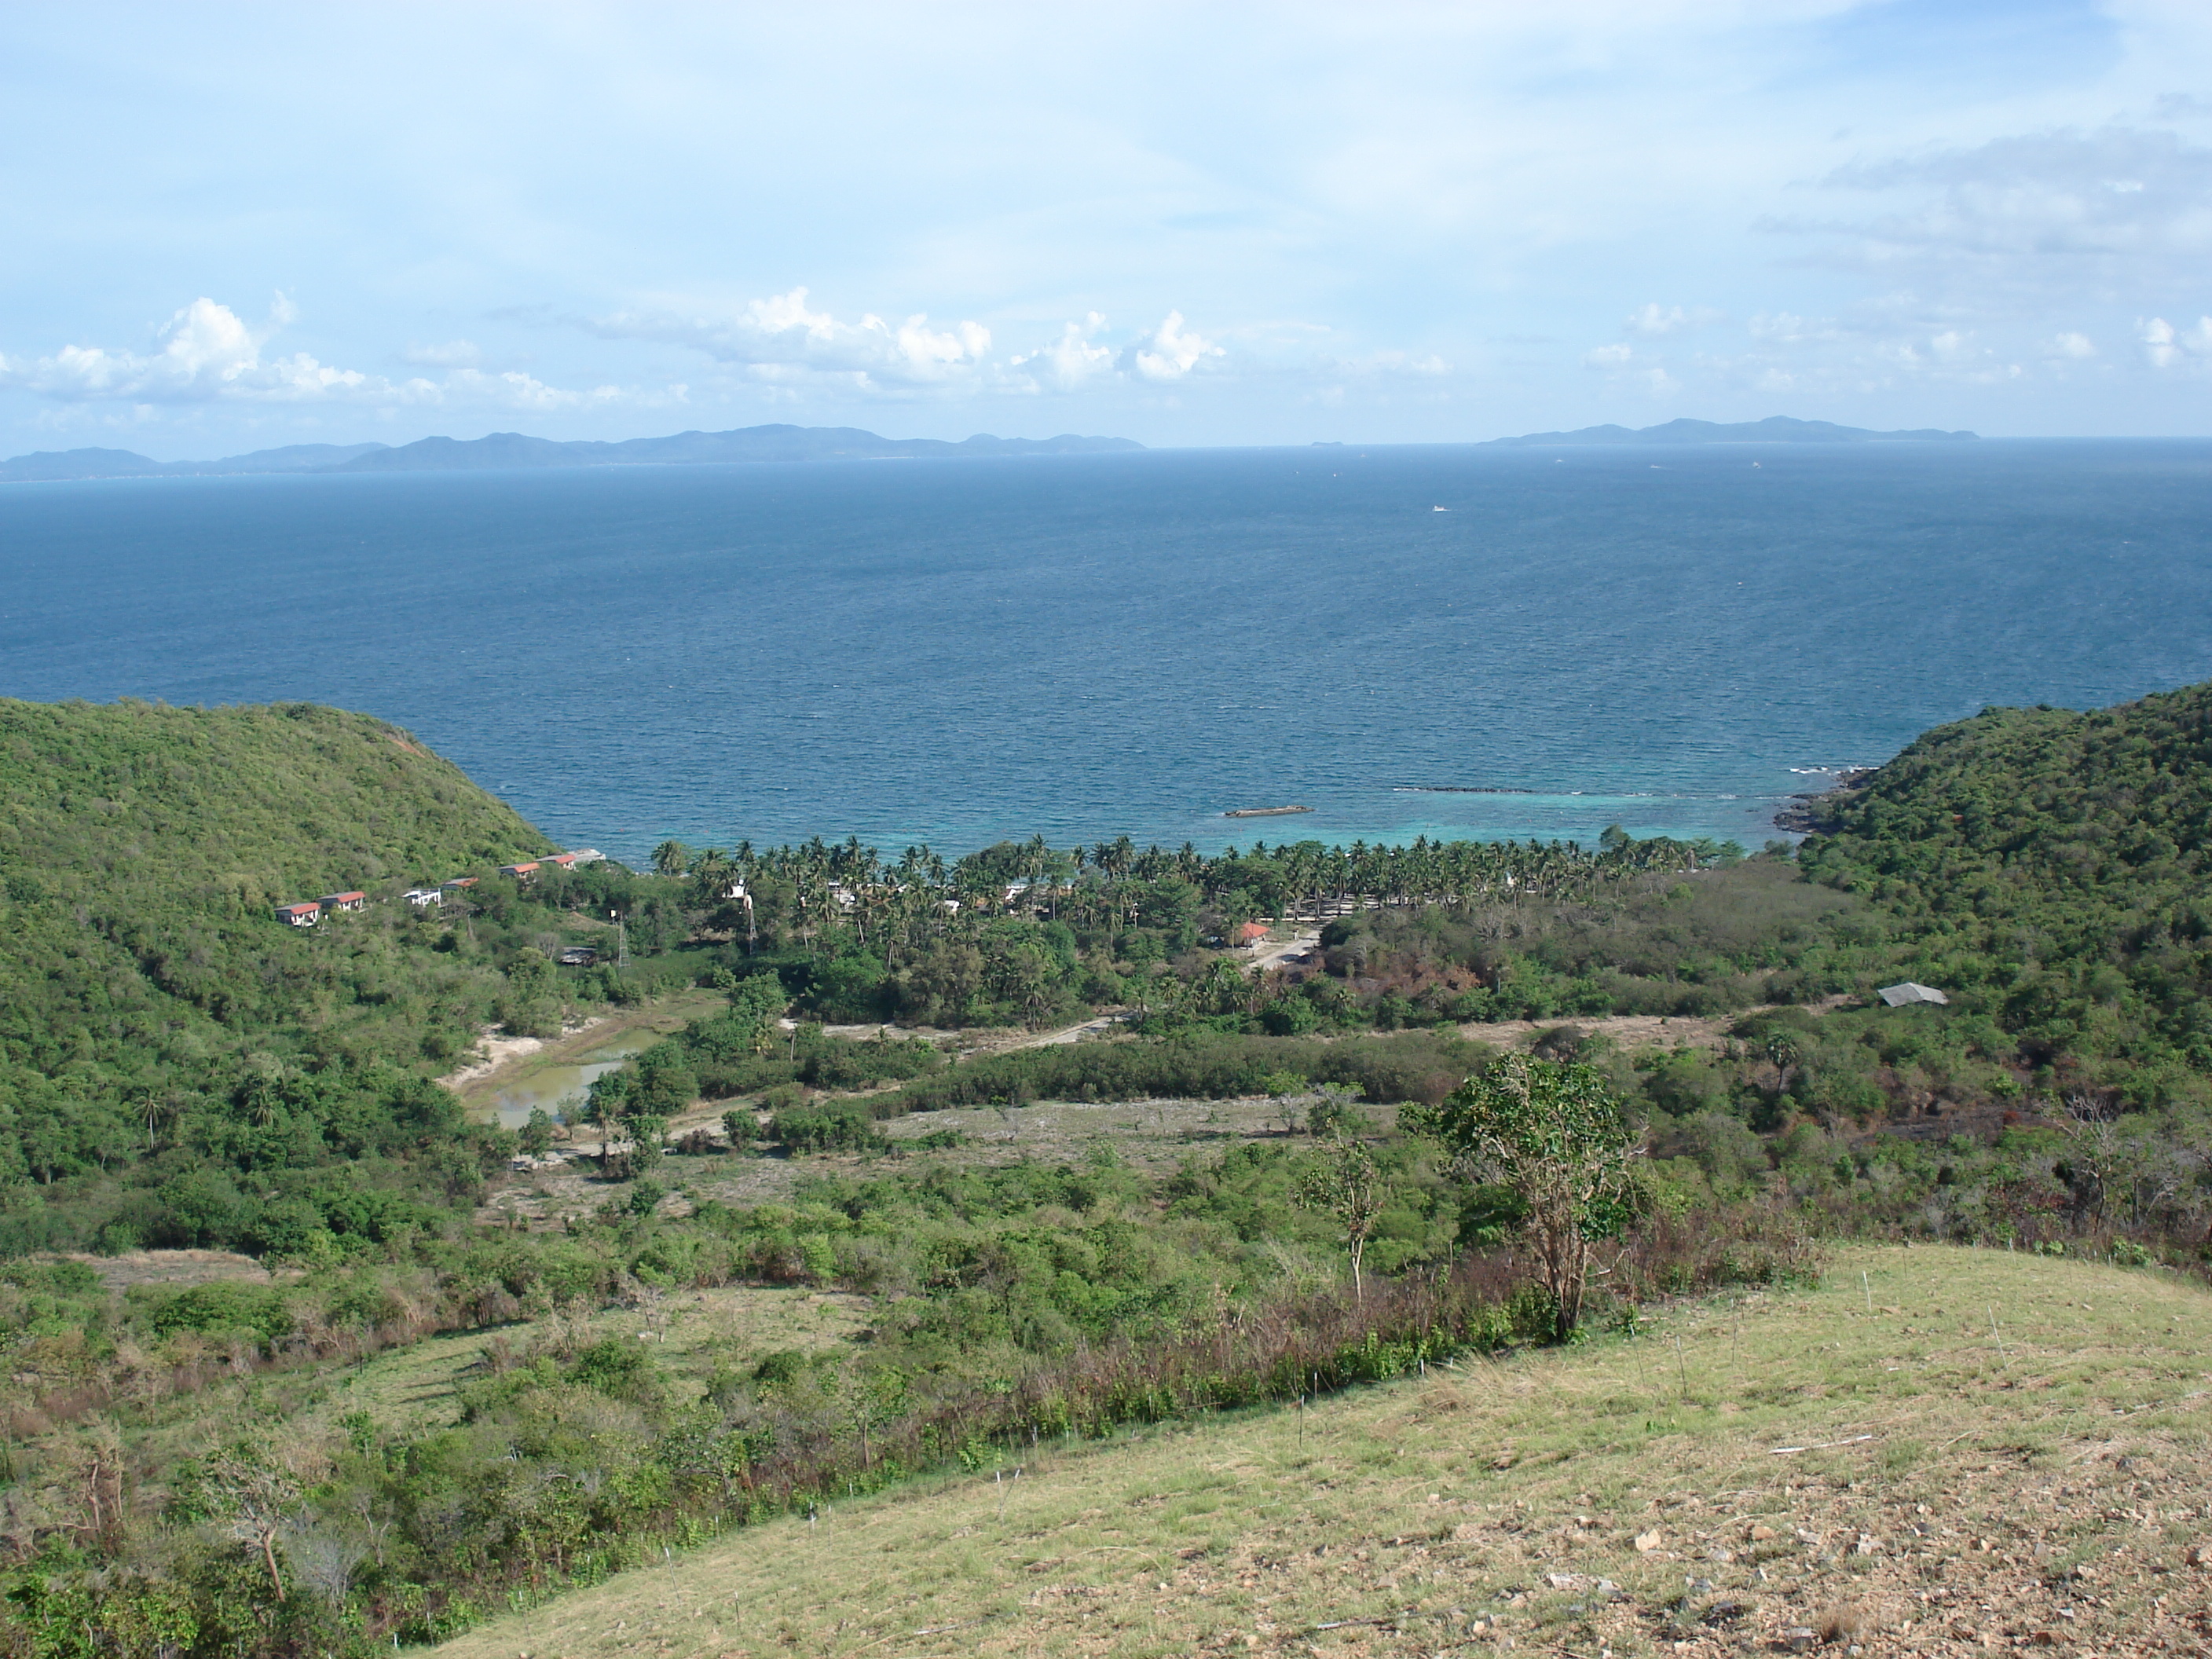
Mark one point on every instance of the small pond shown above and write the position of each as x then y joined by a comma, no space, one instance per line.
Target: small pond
559,1091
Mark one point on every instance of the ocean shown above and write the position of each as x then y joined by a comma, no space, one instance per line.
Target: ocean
1451,641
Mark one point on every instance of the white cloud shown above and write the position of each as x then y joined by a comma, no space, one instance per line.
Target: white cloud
1171,350
2078,347
783,342
1653,318
454,354
2037,210
1427,365
1787,328
780,338
207,353
1624,365
515,390
1073,359
2165,345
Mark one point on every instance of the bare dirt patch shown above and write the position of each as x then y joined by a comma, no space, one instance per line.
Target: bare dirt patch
1623,1031
1156,1136
1632,1031
119,1273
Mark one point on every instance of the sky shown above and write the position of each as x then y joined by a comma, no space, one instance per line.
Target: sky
236,227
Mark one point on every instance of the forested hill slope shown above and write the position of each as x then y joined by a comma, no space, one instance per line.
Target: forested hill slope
224,808
2057,860
142,972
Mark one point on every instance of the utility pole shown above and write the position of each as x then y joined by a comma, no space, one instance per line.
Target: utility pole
622,941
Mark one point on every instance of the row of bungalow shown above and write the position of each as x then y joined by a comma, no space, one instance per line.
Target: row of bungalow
306,913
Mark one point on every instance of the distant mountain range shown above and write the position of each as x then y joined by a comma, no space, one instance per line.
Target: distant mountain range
1774,430
49,466
513,449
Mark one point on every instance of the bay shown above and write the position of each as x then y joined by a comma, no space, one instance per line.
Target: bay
953,652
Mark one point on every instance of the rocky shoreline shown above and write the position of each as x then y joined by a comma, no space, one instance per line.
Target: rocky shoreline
1810,814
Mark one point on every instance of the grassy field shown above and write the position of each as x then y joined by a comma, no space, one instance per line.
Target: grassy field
416,1388
1155,1136
1938,1451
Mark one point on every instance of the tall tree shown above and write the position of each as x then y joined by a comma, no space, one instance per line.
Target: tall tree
1554,1135
1340,1180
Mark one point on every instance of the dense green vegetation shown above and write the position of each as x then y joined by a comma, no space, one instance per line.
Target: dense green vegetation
177,1068
2054,865
1021,933
1010,1303
162,1037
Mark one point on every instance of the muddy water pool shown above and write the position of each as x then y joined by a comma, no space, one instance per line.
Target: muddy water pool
559,1089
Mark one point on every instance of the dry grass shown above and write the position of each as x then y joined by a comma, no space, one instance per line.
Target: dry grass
414,1390
1633,1030
1156,1136
1958,1490
120,1272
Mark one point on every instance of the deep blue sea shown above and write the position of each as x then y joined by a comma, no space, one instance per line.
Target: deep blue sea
953,652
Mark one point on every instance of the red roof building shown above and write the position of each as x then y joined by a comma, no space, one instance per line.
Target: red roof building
355,900
303,915
519,872
1252,933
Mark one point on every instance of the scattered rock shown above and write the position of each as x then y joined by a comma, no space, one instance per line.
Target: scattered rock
1798,1639
1647,1541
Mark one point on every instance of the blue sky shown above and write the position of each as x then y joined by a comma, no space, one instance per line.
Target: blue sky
236,227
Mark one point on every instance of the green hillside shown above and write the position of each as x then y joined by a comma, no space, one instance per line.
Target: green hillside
145,986
773,1299
1956,1451
2053,865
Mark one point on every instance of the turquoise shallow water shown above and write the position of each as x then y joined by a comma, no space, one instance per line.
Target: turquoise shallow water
953,652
